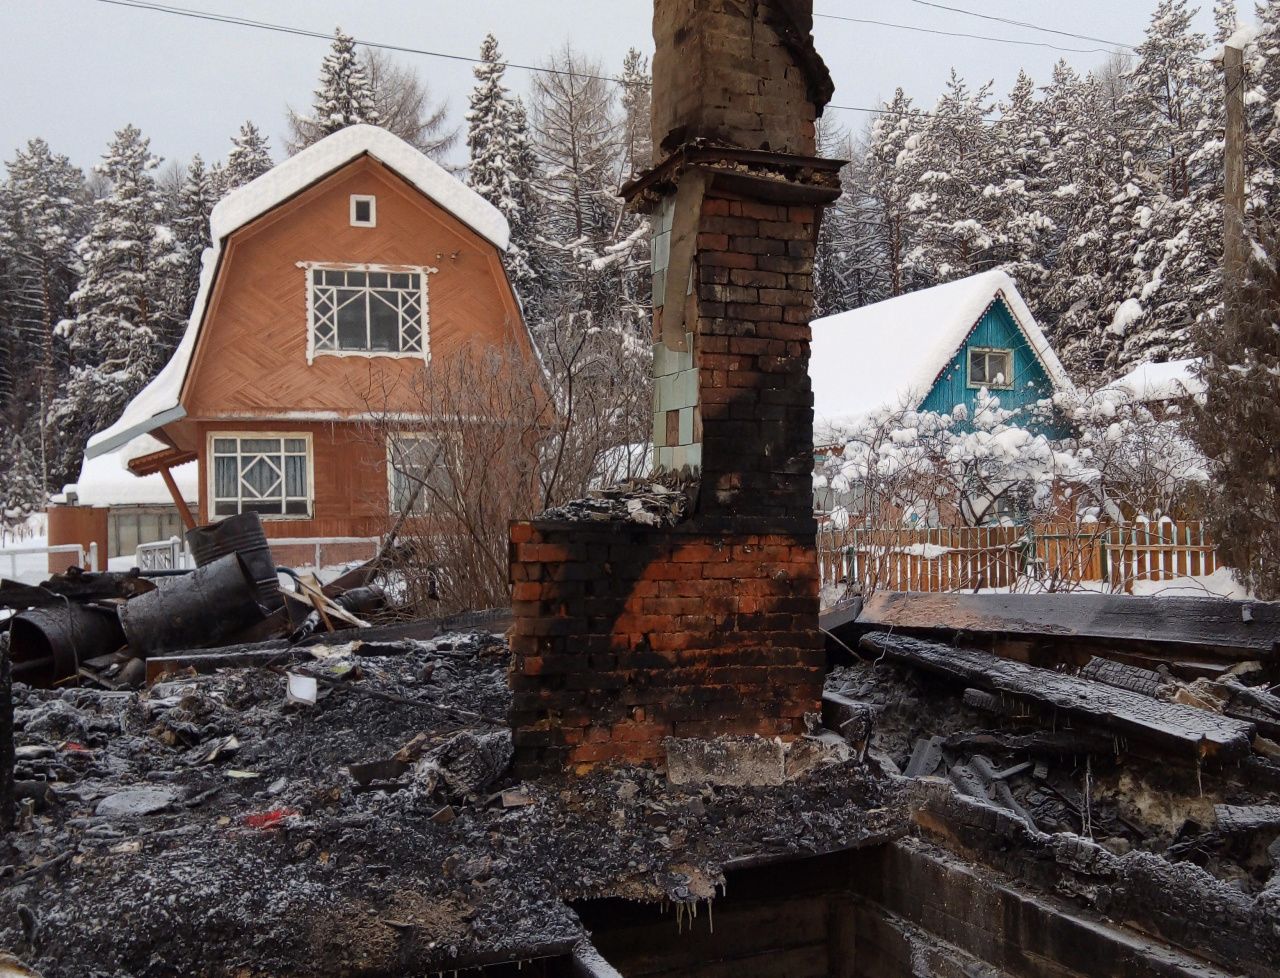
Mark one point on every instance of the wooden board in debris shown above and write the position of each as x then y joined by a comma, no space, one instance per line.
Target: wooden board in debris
1184,731
1203,630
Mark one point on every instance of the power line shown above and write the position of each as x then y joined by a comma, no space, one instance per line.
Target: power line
977,37
1022,23
304,32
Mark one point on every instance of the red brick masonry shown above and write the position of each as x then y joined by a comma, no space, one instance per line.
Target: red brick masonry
626,634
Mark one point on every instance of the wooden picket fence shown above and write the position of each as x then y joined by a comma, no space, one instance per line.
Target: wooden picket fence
1059,556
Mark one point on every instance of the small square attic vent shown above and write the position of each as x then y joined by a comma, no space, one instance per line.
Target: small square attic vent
364,211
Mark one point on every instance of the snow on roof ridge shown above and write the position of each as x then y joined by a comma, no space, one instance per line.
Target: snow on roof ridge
861,359
321,158
159,401
1163,381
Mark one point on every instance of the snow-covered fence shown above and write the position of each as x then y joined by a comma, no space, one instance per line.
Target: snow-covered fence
163,555
1054,557
1160,551
24,568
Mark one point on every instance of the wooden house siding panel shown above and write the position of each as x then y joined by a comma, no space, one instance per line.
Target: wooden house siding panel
995,329
251,357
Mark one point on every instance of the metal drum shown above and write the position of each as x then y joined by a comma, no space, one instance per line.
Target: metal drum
196,611
47,645
243,535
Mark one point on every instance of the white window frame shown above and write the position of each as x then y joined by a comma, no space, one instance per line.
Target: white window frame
211,478
372,201
423,503
423,271
1008,374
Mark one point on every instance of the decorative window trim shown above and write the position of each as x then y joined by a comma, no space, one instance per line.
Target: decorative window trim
240,435
392,437
424,271
1004,351
372,201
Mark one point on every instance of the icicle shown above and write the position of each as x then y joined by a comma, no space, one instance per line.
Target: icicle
711,921
1088,802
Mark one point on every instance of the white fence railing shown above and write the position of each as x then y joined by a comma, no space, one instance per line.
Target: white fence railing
13,553
168,554
172,554
318,543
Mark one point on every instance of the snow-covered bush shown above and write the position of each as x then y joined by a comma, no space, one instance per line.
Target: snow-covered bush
1118,461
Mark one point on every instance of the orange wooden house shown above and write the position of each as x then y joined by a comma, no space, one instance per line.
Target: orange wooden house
333,279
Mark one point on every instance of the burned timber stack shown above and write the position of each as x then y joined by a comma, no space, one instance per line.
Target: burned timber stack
628,634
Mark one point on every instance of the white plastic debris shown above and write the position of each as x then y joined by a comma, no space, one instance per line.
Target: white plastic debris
302,689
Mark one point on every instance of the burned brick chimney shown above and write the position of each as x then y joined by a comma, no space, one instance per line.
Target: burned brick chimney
626,634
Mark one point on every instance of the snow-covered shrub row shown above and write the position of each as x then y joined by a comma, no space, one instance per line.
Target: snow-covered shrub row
1115,458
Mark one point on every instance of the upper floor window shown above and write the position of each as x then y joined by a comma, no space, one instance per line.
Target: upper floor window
367,311
990,368
364,211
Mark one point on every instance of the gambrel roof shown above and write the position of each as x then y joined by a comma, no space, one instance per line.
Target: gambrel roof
159,402
890,354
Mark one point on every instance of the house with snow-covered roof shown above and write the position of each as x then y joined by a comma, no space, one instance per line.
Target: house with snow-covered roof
931,350
334,280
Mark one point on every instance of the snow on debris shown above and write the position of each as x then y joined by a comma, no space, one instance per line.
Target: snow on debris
1161,381
158,402
888,355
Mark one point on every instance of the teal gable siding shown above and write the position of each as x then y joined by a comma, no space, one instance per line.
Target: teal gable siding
998,330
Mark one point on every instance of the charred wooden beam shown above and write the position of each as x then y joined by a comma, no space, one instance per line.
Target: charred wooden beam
1247,819
1182,731
1197,635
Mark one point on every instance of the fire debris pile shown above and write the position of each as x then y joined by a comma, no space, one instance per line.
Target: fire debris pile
642,501
361,822
104,628
1148,793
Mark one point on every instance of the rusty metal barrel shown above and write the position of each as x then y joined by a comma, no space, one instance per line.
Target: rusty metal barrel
243,535
48,644
199,610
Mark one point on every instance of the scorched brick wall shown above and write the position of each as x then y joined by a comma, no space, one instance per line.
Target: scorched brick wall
626,634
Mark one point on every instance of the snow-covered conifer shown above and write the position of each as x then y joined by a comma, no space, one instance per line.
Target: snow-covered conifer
126,320
250,157
345,96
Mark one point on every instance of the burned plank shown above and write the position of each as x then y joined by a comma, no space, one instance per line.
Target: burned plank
1165,628
1246,819
1055,743
1148,682
1180,730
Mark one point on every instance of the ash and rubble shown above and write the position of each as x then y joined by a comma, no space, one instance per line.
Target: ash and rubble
210,825
647,502
1063,779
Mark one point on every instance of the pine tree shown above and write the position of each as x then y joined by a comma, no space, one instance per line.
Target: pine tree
191,225
1238,425
577,143
892,164
503,169
345,96
1085,133
955,236
46,212
126,321
21,492
1167,107
250,157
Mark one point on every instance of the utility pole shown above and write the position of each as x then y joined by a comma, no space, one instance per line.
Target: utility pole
1233,245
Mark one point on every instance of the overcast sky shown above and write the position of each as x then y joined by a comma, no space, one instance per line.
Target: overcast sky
74,71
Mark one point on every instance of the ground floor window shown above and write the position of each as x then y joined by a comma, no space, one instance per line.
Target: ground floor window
265,474
418,472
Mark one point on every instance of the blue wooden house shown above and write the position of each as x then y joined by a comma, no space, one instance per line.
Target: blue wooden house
932,350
